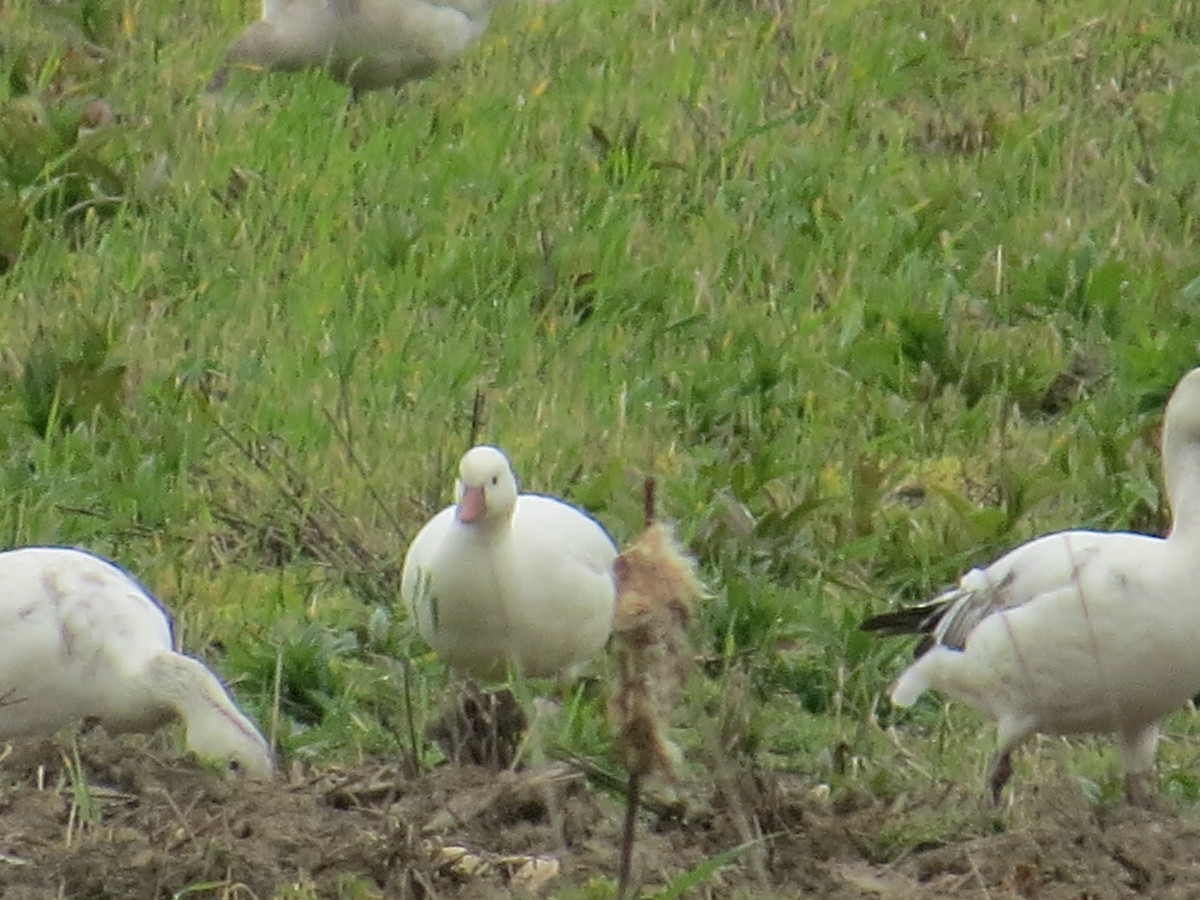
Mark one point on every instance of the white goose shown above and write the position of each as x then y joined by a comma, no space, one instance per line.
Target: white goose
504,579
81,640
368,44
1078,631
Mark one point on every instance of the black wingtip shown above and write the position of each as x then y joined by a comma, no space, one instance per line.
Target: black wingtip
913,620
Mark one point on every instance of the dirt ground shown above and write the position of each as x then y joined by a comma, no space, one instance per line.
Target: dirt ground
156,825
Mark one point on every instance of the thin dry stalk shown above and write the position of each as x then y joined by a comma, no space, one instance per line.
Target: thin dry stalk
477,410
325,532
414,750
344,435
656,587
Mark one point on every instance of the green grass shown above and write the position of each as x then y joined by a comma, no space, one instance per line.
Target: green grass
814,260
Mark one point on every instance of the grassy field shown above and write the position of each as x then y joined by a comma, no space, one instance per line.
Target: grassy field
876,290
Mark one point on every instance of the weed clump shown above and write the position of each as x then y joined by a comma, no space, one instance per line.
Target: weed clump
656,587
67,157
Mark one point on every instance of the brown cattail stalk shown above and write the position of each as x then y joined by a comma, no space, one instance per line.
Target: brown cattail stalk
656,587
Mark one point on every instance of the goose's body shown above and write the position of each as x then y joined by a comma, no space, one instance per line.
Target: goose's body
81,640
505,580
368,44
1077,631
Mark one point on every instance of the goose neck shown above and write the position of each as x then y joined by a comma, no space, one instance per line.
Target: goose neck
1182,474
215,727
490,528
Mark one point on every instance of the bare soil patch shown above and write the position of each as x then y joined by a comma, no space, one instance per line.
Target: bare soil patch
153,824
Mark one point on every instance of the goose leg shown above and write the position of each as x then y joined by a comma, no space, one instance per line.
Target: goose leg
1010,732
999,771
1137,751
219,80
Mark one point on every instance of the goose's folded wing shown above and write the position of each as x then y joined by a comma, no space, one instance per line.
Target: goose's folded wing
950,617
1041,566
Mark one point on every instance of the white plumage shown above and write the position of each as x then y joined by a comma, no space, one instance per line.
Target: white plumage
81,640
1078,631
368,44
502,579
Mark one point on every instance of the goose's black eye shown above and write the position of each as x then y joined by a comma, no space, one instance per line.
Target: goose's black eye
495,480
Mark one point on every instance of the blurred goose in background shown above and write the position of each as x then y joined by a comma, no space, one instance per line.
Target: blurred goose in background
502,579
81,640
1077,631
367,44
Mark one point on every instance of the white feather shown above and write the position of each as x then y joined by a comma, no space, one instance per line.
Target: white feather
369,44
1081,631
529,584
80,639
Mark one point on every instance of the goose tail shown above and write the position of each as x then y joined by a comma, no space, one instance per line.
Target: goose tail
911,684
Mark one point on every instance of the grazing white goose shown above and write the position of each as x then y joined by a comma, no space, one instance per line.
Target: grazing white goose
1077,631
368,44
81,640
504,579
